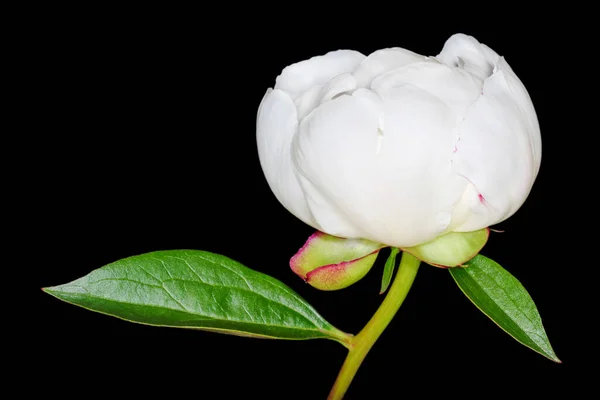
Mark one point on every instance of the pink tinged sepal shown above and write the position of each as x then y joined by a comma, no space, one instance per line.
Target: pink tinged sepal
452,249
331,263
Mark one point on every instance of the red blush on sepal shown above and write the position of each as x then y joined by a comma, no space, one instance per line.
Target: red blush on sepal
331,263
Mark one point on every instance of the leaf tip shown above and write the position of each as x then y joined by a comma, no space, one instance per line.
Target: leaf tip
554,358
48,290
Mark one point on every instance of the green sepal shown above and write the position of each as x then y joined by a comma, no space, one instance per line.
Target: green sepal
451,249
331,263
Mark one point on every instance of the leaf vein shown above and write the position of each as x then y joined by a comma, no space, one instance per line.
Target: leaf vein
208,284
283,288
200,318
243,290
148,272
175,300
164,266
516,307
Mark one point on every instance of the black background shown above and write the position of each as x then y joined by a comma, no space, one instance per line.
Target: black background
153,113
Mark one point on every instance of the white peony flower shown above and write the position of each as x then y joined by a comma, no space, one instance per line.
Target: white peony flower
399,148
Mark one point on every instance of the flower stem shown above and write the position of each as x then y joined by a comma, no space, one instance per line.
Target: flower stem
362,343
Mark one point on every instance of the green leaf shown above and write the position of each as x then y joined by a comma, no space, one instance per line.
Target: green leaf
501,297
199,290
388,270
451,249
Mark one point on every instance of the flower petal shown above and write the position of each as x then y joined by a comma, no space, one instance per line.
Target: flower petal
521,97
328,140
382,61
340,84
317,71
310,99
457,88
466,52
276,125
380,169
495,154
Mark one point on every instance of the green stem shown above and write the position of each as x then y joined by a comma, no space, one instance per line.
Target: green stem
362,343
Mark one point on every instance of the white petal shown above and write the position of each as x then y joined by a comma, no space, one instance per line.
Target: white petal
308,101
396,188
465,51
317,71
340,84
325,211
457,88
276,125
490,55
521,97
326,143
311,98
495,154
420,134
382,61
470,213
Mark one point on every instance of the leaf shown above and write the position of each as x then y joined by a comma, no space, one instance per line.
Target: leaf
388,270
199,290
451,249
501,297
331,263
